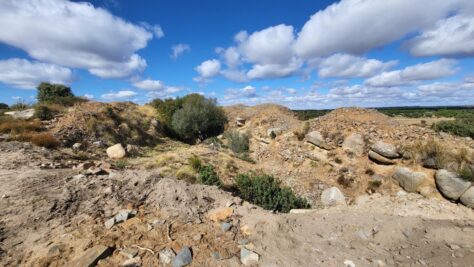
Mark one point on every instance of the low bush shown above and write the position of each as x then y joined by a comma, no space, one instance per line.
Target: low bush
44,113
195,162
238,142
300,134
13,126
208,176
267,192
461,126
46,140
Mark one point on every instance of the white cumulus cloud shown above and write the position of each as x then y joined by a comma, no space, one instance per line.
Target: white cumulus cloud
179,49
419,72
75,35
25,74
348,66
125,94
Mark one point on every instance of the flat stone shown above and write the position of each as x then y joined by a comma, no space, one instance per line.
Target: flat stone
109,223
468,197
183,258
248,257
387,150
23,114
450,184
166,256
92,256
133,262
226,226
408,180
379,159
129,252
317,139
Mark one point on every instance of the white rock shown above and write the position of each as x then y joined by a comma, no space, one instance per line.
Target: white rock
23,114
166,256
349,263
116,151
450,184
248,257
332,196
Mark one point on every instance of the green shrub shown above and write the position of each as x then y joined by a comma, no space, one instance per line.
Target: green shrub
191,117
208,176
56,94
266,191
238,142
195,162
3,106
463,125
19,106
44,113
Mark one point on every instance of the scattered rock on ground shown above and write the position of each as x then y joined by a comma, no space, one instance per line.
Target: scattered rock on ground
354,143
23,114
386,150
332,196
317,139
248,257
468,197
116,151
183,258
166,256
379,159
450,184
220,214
92,256
408,179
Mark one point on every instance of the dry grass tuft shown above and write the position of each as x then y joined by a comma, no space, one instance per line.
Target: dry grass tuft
46,140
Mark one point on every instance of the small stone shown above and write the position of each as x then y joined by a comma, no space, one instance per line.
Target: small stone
116,151
129,252
220,214
248,257
133,262
109,223
226,226
123,216
349,263
216,255
166,256
197,237
332,196
77,147
183,258
91,256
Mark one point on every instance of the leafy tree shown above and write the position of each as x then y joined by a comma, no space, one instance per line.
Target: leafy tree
3,106
56,94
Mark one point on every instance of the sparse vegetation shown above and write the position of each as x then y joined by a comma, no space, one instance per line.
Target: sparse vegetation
267,192
463,125
238,142
19,106
372,186
44,112
300,135
121,164
46,140
195,162
208,176
12,126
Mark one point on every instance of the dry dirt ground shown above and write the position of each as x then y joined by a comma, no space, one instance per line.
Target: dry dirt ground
50,217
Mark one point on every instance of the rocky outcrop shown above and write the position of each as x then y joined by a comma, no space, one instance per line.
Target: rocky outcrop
318,140
450,184
354,143
116,152
239,121
387,150
332,197
379,159
468,197
23,114
408,179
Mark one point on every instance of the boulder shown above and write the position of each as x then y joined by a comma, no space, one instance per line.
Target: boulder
354,143
468,197
116,152
332,197
317,139
23,114
379,159
386,150
409,180
183,258
450,184
240,121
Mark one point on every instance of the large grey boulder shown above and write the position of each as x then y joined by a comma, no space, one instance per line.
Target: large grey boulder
317,139
408,179
332,197
379,159
116,151
450,184
23,114
468,197
386,150
354,143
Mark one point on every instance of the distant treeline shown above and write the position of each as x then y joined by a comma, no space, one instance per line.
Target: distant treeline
410,112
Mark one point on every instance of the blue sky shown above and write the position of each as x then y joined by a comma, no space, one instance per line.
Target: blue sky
302,54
